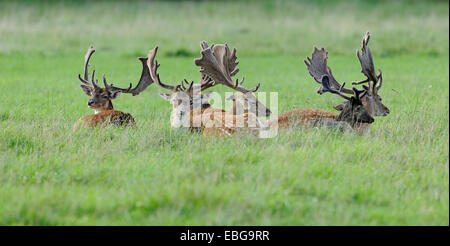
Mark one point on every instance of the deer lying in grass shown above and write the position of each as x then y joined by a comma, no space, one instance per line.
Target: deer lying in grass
191,109
352,113
100,98
317,67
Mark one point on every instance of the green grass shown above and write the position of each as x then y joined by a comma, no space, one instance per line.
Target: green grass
154,175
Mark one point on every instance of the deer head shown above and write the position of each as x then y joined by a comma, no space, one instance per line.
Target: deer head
353,111
219,63
183,97
100,98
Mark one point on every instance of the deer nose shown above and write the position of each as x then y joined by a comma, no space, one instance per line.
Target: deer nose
90,102
387,112
268,112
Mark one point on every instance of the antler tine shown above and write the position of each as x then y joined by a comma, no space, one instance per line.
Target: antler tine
207,85
239,84
93,81
359,93
360,82
366,39
87,57
232,61
254,89
190,85
205,79
153,69
380,79
83,80
183,87
182,84
111,87
326,87
105,83
189,89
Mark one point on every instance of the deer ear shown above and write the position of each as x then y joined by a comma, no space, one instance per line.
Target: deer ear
114,94
165,96
339,107
86,89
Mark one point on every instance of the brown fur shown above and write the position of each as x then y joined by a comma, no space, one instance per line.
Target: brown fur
106,117
302,116
100,100
213,122
247,102
364,128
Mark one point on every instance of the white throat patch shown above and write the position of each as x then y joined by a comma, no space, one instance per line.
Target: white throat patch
178,118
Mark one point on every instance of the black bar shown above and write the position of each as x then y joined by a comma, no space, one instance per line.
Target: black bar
250,235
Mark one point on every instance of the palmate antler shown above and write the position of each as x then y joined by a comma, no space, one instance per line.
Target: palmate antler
368,67
326,87
144,81
153,66
317,67
219,64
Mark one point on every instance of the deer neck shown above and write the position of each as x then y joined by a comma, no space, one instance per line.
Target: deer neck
179,116
108,106
362,128
346,116
368,105
236,109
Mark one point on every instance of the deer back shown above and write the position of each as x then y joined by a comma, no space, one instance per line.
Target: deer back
303,116
213,121
107,117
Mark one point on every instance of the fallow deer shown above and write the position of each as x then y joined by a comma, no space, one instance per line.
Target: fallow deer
100,98
317,67
353,112
191,109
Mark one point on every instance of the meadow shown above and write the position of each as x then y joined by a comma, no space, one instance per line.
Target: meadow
155,175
